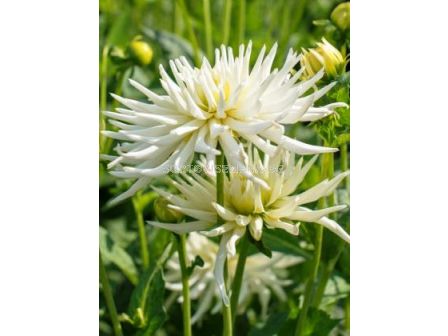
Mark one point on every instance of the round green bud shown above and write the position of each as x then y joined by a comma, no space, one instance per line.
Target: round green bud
140,51
164,213
341,16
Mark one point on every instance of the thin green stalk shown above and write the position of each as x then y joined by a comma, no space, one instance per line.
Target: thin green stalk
208,29
190,32
331,200
144,254
344,165
241,21
186,304
236,287
347,314
226,310
325,276
103,94
301,322
227,20
176,19
107,292
328,270
285,26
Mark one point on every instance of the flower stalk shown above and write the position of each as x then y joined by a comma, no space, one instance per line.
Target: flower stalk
226,309
186,303
241,21
110,304
144,254
326,162
236,286
227,18
190,31
103,95
208,29
331,264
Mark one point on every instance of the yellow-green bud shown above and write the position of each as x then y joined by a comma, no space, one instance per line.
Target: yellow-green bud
140,51
165,214
341,16
324,55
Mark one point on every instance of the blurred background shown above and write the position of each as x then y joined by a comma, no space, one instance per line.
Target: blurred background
136,36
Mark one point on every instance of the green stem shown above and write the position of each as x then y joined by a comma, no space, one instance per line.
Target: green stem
144,254
328,270
103,94
176,19
347,314
236,287
241,21
208,29
107,292
186,304
326,273
344,165
190,31
227,19
220,172
301,322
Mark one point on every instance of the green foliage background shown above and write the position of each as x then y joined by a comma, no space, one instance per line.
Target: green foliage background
165,26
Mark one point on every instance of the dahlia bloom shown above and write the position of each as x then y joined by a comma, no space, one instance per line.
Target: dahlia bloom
262,276
248,207
226,104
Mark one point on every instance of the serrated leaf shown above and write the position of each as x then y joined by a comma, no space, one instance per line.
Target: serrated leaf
113,253
319,323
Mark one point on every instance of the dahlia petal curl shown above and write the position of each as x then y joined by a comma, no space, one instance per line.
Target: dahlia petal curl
204,107
247,207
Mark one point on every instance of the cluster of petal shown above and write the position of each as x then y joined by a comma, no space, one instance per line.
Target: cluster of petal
215,105
248,207
325,56
262,276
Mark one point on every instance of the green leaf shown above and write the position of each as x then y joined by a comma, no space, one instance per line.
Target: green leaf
337,288
122,29
282,241
271,327
175,45
198,261
319,323
118,232
260,246
113,253
146,309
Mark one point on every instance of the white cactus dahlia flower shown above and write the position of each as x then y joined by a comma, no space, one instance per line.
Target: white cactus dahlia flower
247,206
262,276
223,104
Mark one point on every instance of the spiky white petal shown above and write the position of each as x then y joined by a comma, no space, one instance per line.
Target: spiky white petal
224,104
247,206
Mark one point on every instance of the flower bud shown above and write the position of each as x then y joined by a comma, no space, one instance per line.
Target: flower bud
140,51
165,214
324,55
341,16
118,55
